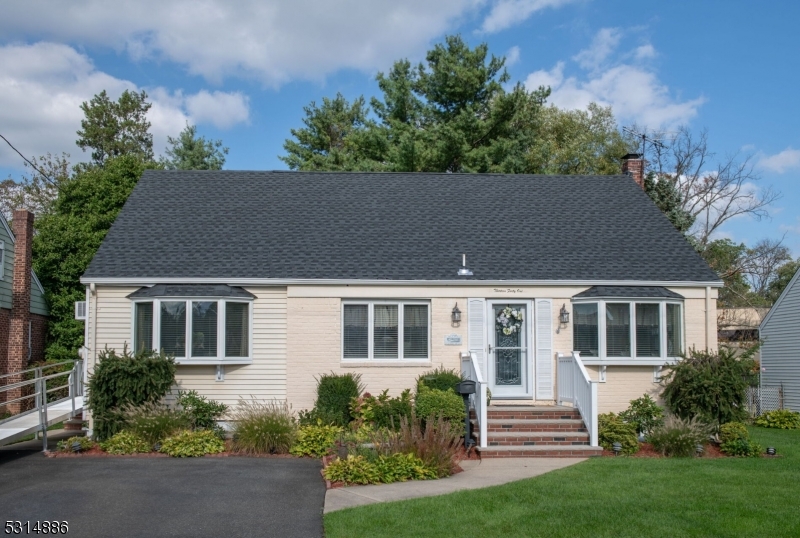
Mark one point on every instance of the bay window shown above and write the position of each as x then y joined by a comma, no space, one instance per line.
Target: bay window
638,330
195,331
385,330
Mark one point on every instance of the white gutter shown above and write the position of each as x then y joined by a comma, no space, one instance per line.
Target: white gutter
376,282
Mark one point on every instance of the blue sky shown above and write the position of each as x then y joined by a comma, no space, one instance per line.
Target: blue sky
242,71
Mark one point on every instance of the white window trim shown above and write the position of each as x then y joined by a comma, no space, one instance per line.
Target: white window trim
370,332
633,360
220,357
2,261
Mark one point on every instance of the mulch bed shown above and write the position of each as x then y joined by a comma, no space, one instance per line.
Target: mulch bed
646,450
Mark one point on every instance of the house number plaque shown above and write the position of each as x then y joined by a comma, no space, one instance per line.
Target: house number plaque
452,340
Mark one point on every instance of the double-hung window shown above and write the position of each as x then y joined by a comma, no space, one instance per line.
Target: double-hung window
386,330
636,329
195,331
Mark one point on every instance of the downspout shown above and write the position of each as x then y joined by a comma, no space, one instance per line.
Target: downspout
708,316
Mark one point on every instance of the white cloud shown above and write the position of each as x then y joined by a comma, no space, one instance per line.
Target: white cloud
603,44
633,90
507,13
781,162
271,40
43,85
512,56
644,52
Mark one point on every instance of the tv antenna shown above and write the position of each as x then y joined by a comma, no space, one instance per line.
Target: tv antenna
645,139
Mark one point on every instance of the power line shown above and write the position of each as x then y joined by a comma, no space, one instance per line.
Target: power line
53,183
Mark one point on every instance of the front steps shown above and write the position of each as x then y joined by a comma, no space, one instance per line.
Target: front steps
520,431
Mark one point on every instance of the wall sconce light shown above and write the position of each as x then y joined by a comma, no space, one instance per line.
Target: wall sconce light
563,315
456,316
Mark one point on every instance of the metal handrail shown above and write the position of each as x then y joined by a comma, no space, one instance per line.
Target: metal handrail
74,385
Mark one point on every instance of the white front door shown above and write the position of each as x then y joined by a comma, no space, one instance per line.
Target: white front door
509,358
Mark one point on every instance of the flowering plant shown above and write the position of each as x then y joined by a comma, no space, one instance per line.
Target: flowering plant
509,320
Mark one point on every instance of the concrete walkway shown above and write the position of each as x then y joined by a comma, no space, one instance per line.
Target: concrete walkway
477,474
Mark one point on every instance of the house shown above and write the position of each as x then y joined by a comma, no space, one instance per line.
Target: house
23,310
260,281
780,351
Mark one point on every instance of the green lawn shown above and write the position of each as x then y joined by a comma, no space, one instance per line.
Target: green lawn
610,497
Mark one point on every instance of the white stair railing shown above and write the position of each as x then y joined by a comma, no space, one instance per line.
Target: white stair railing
471,370
576,387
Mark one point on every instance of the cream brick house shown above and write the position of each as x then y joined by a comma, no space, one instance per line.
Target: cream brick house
259,281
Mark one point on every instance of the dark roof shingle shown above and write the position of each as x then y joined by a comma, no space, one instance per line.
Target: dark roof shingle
392,226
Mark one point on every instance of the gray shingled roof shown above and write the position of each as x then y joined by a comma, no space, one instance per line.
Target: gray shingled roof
301,225
632,292
192,290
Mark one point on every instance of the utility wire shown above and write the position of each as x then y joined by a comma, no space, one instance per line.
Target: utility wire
53,183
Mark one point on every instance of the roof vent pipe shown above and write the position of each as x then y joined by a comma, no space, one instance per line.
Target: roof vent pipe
463,271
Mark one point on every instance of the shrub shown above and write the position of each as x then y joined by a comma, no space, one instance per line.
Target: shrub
154,422
126,379
439,379
711,386
679,437
439,403
65,445
611,429
192,444
313,416
783,419
263,427
316,440
644,413
736,441
201,412
434,442
732,431
125,442
334,393
381,411
383,469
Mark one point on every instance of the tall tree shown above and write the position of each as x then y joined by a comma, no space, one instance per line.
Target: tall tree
69,236
451,113
114,128
191,152
668,199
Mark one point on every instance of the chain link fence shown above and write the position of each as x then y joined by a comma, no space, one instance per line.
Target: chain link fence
763,399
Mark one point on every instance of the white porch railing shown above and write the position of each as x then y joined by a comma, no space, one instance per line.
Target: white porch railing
471,370
575,386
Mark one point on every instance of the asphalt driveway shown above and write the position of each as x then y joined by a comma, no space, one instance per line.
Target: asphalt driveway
152,497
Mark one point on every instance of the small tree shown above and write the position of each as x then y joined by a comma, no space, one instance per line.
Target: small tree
711,386
192,152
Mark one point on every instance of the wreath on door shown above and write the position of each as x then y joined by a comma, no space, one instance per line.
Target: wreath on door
509,320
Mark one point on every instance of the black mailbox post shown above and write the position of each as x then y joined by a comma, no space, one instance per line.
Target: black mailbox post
465,388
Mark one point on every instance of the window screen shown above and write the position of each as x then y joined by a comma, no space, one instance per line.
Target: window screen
204,328
237,329
173,328
674,324
143,327
385,331
648,336
356,331
415,331
618,330
584,329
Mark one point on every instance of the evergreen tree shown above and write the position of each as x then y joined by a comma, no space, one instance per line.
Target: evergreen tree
192,152
114,128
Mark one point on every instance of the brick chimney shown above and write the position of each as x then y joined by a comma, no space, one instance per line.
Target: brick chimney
19,323
633,165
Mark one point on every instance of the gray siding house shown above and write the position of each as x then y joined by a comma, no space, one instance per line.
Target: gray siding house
780,353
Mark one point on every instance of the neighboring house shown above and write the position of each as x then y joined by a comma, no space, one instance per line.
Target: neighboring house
23,311
780,351
258,282
739,325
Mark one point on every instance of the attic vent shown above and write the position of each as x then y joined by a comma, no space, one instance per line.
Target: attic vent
80,309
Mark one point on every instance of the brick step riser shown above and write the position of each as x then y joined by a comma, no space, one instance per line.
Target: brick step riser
557,453
521,415
520,442
538,428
